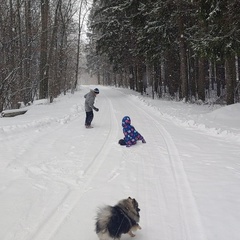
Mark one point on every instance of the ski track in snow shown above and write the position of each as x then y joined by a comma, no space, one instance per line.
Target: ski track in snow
186,205
53,222
37,170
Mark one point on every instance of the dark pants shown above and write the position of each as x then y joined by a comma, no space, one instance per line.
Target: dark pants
89,118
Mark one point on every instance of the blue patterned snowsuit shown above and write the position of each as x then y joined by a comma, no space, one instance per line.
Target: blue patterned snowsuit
131,136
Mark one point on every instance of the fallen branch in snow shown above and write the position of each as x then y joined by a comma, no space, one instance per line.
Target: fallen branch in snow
12,113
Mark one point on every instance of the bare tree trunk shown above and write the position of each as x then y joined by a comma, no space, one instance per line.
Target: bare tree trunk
20,57
80,26
183,60
237,89
170,72
78,45
201,79
11,29
131,77
11,98
28,54
220,77
157,76
192,74
43,89
51,62
140,70
230,78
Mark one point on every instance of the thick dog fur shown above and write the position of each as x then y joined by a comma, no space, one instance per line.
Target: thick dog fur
113,221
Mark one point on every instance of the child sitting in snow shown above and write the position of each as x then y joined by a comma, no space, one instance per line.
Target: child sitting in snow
131,136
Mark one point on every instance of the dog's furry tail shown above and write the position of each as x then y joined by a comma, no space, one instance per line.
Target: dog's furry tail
103,217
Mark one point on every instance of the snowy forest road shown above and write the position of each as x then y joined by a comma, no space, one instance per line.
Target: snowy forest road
56,173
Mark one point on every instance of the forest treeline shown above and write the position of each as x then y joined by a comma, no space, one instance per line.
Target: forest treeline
182,49
186,50
38,49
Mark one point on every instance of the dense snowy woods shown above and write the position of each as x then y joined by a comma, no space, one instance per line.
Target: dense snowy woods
39,43
183,49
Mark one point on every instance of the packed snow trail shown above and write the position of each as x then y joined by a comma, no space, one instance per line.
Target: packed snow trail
185,213
56,173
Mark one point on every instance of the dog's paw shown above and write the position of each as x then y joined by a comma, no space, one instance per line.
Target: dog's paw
131,234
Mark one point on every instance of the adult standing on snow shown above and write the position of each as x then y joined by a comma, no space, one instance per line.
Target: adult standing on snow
89,106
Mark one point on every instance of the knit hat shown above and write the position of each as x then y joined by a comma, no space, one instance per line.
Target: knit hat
96,90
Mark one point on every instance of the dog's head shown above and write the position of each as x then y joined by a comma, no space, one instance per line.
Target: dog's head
130,207
134,204
130,204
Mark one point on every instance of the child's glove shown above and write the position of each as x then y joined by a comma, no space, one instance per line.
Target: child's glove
143,141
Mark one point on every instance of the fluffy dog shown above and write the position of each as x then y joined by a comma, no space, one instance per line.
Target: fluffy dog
113,221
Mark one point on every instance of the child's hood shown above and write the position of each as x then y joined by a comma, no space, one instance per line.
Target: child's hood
126,121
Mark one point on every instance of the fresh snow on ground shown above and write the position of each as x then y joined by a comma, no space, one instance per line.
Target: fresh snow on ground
55,173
